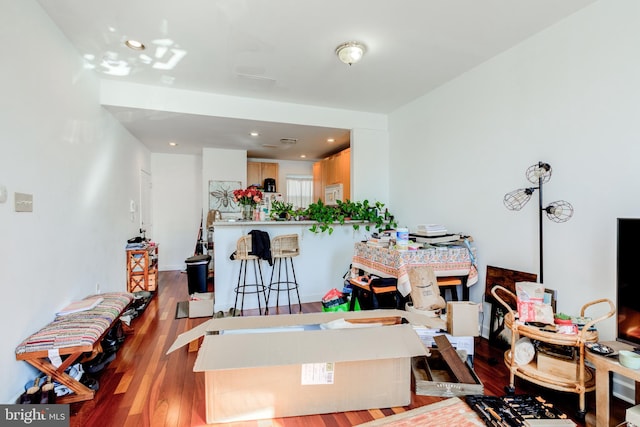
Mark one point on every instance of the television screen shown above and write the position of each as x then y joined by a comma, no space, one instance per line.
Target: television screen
628,278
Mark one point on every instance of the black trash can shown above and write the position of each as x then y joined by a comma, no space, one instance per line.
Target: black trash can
197,267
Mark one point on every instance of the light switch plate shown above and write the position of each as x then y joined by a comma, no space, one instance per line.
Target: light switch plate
23,202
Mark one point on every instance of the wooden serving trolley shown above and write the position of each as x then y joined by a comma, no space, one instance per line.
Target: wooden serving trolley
584,379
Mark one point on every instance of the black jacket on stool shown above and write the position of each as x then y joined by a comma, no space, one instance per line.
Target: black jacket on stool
261,245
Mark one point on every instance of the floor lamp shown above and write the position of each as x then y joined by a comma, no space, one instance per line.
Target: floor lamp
558,211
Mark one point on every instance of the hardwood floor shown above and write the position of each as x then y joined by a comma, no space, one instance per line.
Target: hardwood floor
144,386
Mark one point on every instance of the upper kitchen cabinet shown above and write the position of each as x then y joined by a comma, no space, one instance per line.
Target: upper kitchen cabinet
317,182
335,169
258,171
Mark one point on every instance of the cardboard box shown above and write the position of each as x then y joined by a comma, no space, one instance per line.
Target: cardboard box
201,304
556,366
462,318
259,367
433,377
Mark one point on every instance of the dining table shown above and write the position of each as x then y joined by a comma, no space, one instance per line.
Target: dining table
455,260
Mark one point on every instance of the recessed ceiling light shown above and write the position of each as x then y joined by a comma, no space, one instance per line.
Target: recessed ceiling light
254,134
135,45
303,156
331,140
173,144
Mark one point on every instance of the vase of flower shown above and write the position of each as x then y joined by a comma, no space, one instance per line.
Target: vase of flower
248,199
247,212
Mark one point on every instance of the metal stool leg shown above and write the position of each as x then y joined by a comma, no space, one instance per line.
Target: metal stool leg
277,285
295,281
269,287
260,288
238,290
288,283
244,288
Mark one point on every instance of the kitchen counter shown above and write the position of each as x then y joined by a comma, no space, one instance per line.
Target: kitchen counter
322,262
254,224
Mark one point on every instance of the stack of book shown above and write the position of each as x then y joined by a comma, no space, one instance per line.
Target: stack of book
382,241
431,240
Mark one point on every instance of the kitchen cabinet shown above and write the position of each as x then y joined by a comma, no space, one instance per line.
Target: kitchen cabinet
335,169
258,171
345,172
317,182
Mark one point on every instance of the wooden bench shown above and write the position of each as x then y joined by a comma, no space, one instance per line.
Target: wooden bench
70,336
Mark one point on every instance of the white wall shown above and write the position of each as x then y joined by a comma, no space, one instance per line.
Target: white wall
82,169
222,165
177,204
370,166
567,96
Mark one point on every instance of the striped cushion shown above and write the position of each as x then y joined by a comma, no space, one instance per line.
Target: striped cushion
78,329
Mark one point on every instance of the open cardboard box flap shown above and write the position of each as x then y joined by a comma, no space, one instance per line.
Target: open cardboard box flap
318,346
320,338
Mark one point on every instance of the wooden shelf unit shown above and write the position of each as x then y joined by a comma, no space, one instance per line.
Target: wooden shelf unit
142,269
585,378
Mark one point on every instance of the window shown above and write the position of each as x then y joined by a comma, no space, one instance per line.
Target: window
299,190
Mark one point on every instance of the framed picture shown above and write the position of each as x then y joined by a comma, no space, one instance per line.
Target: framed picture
221,196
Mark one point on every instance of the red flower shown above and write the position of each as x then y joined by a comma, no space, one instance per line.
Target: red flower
249,196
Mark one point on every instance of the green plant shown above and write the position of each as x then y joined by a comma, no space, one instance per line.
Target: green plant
368,214
562,316
324,215
281,210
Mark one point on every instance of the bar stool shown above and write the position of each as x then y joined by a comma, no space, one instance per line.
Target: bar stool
283,248
243,250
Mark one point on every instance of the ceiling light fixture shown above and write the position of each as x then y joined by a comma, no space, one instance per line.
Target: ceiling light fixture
331,140
173,144
135,45
350,52
254,134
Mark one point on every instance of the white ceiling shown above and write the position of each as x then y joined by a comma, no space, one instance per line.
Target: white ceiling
283,50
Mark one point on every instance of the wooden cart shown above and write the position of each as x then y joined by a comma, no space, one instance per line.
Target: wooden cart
584,379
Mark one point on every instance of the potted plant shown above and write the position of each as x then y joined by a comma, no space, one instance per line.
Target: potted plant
281,210
562,319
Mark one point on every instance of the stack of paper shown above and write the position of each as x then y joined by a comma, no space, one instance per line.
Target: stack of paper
77,306
431,230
